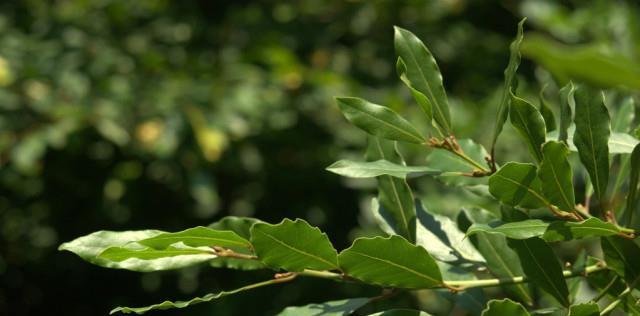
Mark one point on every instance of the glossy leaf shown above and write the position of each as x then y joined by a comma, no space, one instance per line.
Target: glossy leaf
517,184
197,237
591,138
583,63
504,307
547,113
633,196
555,172
120,254
401,312
378,120
542,267
430,236
370,169
621,256
293,246
422,71
586,309
420,98
619,143
509,84
331,308
554,231
567,103
529,123
391,261
242,227
394,194
514,230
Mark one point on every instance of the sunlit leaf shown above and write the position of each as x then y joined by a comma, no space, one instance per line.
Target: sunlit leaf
370,169
504,307
401,312
242,227
197,237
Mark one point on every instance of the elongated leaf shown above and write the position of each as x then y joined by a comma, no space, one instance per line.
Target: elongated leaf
293,246
586,309
542,267
566,114
422,99
360,169
619,143
391,261
623,118
608,282
197,237
149,254
591,138
554,231
582,63
182,304
547,113
634,186
242,227
517,184
401,312
509,85
394,194
422,71
621,256
378,120
555,172
504,307
430,236
529,123
331,308
451,164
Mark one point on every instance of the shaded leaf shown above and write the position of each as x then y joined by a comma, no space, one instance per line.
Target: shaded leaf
586,309
421,70
517,184
621,256
401,312
547,113
509,85
555,172
293,246
429,236
391,261
242,227
452,165
619,143
567,103
370,169
514,230
529,123
422,99
197,237
542,267
554,231
504,307
331,308
378,120
592,137
633,198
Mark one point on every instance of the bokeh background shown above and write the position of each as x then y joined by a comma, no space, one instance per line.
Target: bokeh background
119,115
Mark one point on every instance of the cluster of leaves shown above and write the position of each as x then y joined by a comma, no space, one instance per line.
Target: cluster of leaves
424,250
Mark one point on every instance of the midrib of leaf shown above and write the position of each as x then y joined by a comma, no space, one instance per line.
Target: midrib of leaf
397,266
185,252
506,267
593,152
526,127
298,250
594,228
555,177
521,227
545,273
534,193
405,222
201,238
388,124
424,79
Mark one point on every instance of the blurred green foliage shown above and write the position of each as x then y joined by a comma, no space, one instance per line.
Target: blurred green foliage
170,114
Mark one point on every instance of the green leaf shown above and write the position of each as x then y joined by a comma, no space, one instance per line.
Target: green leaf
633,198
242,227
421,70
591,138
509,85
529,123
542,267
182,304
586,309
547,113
293,246
623,118
370,169
452,165
401,312
428,236
608,282
422,99
555,172
391,261
378,120
331,308
582,63
197,237
120,254
566,104
394,194
621,256
619,143
554,231
504,307
517,184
